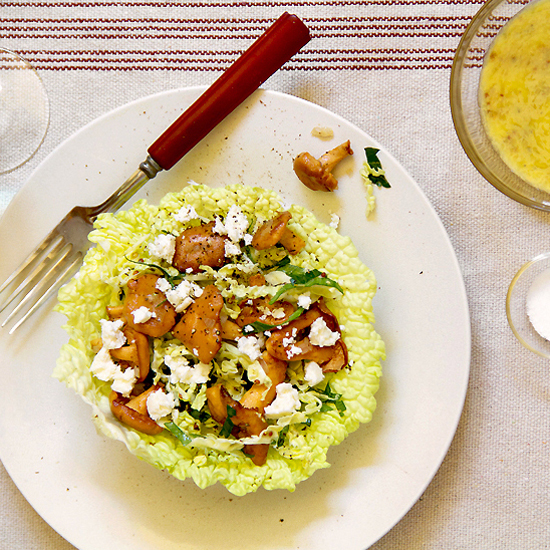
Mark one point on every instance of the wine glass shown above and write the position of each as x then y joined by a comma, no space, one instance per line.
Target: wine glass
24,111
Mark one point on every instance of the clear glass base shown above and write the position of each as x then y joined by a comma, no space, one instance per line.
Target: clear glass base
24,111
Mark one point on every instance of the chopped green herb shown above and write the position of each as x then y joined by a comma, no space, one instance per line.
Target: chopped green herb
374,170
303,278
282,436
330,399
172,279
178,433
258,326
228,424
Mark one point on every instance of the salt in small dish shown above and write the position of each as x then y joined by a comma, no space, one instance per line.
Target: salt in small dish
528,305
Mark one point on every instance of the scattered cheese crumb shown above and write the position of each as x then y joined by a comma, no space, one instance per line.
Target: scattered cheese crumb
103,367
286,402
160,404
163,247
183,372
111,335
124,381
321,335
142,314
186,214
313,373
232,249
334,221
182,296
251,346
304,300
235,226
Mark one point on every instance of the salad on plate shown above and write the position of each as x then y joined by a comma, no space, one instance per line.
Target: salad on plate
223,337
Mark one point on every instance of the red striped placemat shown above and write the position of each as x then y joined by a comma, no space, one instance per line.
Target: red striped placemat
146,35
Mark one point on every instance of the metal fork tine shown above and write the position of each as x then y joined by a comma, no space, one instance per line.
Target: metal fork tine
37,271
51,290
36,289
30,259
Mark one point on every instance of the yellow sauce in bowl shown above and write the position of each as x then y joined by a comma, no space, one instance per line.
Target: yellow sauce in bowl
514,94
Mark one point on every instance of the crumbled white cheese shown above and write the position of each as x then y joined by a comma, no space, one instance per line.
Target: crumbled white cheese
288,341
290,347
163,247
236,223
219,227
313,373
160,404
248,239
124,381
251,346
142,314
103,367
321,335
286,402
334,221
235,226
183,372
186,213
232,249
277,278
163,285
182,296
111,335
304,300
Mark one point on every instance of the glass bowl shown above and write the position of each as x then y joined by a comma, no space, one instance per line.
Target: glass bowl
528,305
465,74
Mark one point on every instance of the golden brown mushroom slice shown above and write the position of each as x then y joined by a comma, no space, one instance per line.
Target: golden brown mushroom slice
276,231
142,291
259,396
136,351
261,310
271,231
317,173
132,418
246,422
198,246
291,342
200,327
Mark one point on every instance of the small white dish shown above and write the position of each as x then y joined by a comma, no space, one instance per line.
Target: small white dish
527,295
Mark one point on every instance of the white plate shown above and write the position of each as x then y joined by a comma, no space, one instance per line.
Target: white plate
94,493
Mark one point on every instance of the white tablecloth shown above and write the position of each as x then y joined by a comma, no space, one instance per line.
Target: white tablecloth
385,66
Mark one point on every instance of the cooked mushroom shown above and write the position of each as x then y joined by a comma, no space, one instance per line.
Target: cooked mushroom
246,422
271,231
276,231
260,309
230,330
317,173
292,343
200,327
259,396
132,418
142,291
139,402
135,352
198,246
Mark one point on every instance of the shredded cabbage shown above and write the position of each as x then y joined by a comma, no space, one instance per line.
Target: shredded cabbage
299,441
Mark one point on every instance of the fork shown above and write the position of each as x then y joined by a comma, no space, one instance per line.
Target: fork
60,254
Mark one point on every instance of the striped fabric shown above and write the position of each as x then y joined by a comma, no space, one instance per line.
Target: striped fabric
143,35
